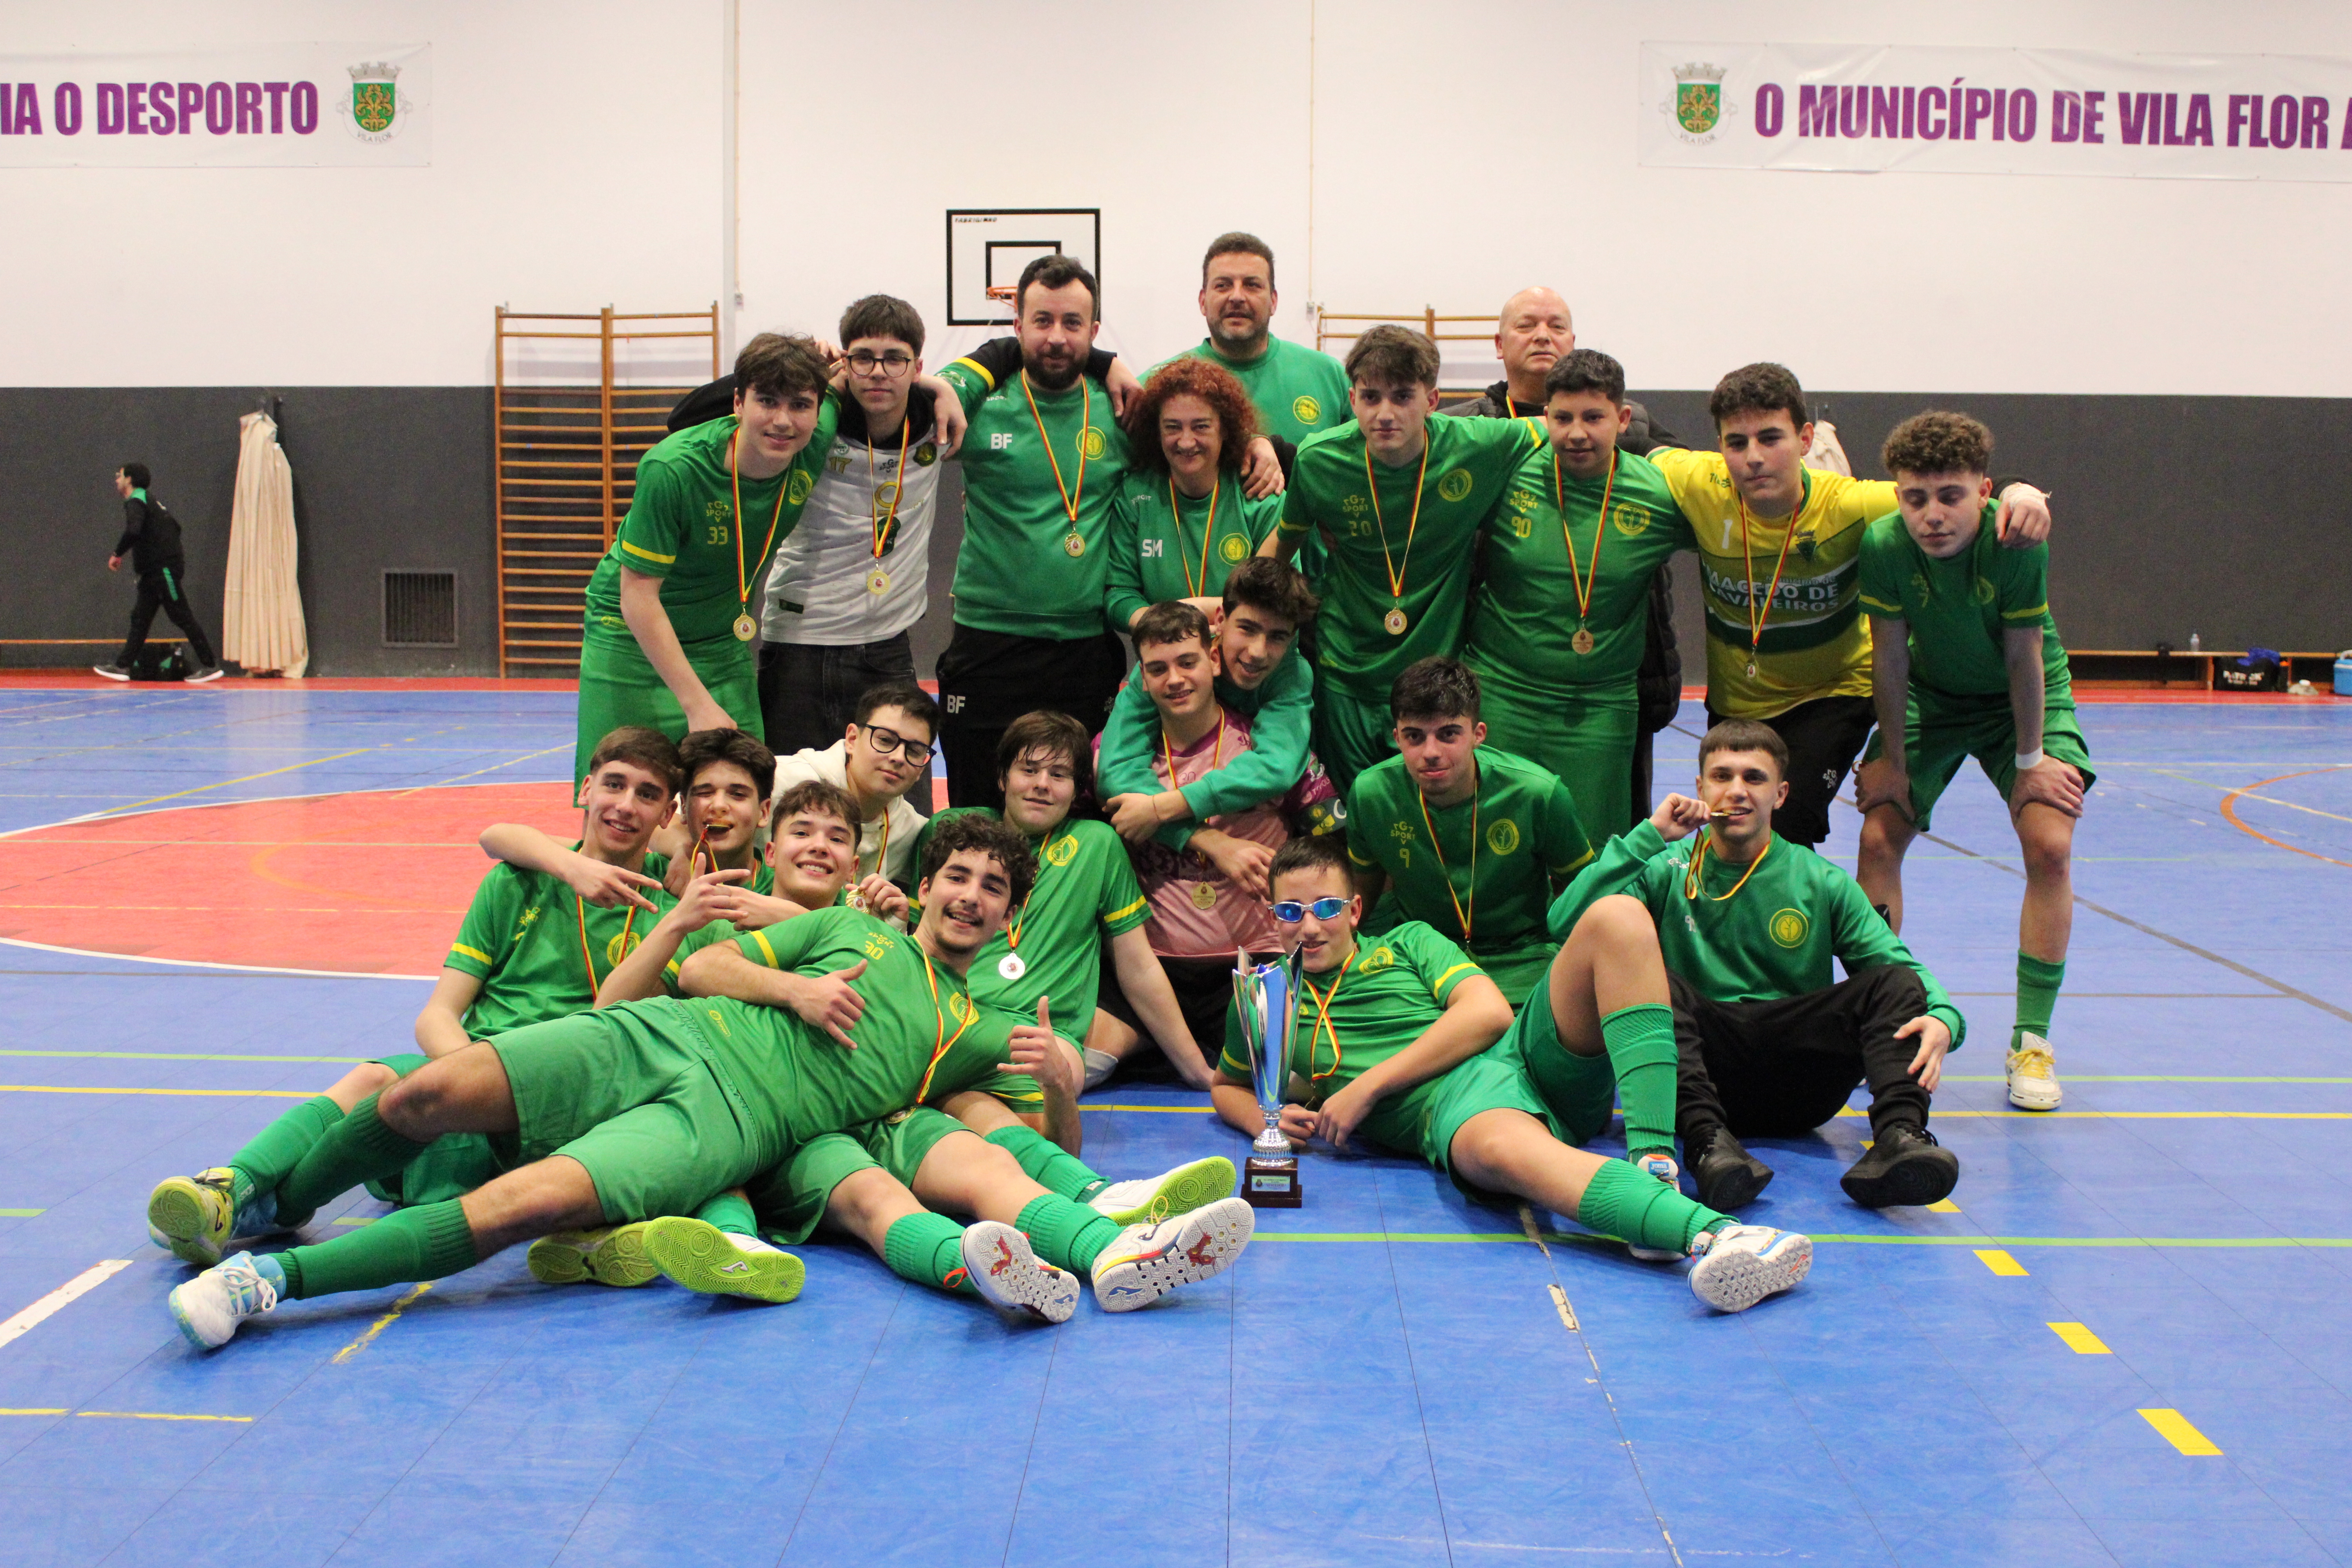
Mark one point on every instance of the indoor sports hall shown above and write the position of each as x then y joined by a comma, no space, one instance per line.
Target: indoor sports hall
387,338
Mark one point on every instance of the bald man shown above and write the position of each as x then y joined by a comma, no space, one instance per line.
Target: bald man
1533,332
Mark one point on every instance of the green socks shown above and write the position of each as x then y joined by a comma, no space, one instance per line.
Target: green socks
405,1246
1043,1161
1641,1209
730,1211
277,1148
1640,1046
1064,1234
927,1248
2037,995
359,1147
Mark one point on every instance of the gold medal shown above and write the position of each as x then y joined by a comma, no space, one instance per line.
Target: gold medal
1204,896
1075,543
1394,622
746,628
1583,641
877,582
1012,966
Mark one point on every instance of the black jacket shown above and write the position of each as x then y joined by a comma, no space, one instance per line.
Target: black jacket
151,537
1660,681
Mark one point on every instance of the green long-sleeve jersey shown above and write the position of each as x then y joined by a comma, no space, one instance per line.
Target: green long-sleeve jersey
1279,709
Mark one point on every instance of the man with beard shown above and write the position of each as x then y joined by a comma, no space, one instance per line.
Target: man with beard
1296,390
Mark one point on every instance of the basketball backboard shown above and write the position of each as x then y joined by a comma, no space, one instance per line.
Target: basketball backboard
987,248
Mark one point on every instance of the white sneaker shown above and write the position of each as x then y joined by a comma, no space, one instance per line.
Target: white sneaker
2033,1071
1147,1261
1662,1166
211,1306
1740,1265
1179,1190
1012,1278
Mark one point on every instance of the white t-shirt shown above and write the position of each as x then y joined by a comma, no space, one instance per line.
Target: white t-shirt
887,844
822,589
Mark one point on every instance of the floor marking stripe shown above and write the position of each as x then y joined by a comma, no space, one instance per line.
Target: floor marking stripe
380,1324
2229,812
197,1056
2137,1115
229,1093
200,789
20,1214
2000,1262
1161,1109
57,1411
2175,1429
154,1416
2080,1339
1943,1206
287,971
57,1301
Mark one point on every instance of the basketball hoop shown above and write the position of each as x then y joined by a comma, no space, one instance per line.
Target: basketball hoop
1000,292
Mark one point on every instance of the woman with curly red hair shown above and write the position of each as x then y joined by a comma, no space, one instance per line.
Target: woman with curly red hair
1181,522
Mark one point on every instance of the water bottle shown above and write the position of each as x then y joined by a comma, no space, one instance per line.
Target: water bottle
2194,645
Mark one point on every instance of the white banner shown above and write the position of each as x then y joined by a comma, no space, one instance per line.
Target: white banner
319,105
1867,107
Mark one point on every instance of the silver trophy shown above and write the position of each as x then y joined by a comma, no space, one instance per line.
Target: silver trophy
1266,997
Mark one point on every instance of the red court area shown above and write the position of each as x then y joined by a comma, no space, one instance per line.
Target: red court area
372,882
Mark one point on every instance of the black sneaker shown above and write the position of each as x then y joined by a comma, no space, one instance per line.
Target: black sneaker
111,671
1904,1166
1728,1176
209,672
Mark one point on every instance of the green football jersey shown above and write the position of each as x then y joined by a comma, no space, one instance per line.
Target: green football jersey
1773,938
919,1038
1296,390
1165,546
523,937
1524,618
1387,996
1428,545
681,528
1958,608
1281,711
1488,876
1086,890
1026,567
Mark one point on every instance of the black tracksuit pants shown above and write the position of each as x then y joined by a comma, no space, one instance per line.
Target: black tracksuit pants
1779,1069
162,590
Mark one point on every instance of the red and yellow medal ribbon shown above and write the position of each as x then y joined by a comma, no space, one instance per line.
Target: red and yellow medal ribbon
735,475
1323,1025
1462,916
941,1042
580,910
1589,576
1755,612
1396,573
1195,588
1698,857
1085,421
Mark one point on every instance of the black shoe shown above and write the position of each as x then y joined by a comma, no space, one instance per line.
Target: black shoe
111,671
1904,1166
1728,1176
209,672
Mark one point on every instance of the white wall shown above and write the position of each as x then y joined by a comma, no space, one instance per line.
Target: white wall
1458,153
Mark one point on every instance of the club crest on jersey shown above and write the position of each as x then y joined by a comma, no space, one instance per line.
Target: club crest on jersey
1062,850
621,946
1235,549
1379,958
1789,926
1456,485
1306,409
797,488
927,454
1805,543
1091,442
1631,521
1984,591
1503,837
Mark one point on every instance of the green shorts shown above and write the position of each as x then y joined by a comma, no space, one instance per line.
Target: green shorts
1421,1123
790,1199
647,1113
1350,734
1581,1092
1942,733
1585,736
1518,971
450,1167
618,686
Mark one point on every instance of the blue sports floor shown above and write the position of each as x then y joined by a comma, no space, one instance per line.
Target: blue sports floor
1391,1375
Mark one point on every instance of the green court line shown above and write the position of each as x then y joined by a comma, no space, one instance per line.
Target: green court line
190,1057
1589,1236
20,1214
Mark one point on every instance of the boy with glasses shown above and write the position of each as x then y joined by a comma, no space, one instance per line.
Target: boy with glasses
884,754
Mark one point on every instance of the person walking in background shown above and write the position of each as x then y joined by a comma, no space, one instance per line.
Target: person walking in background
150,538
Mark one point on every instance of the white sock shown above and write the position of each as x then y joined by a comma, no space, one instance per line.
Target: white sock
747,1243
1100,1065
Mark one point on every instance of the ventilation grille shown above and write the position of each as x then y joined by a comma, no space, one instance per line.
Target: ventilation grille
420,609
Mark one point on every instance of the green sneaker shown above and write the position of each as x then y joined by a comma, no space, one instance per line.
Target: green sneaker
611,1255
702,1256
1179,1190
192,1217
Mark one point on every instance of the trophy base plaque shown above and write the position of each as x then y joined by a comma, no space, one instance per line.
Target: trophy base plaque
1271,1182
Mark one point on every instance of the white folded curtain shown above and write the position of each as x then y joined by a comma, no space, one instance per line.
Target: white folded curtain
262,627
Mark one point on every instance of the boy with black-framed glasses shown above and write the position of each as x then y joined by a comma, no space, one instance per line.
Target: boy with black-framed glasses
884,754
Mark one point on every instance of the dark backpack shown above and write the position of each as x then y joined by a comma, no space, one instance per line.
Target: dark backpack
161,661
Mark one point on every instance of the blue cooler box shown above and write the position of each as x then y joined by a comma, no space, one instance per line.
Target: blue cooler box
2344,673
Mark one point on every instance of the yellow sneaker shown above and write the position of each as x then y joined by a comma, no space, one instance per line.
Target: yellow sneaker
702,1256
609,1255
194,1217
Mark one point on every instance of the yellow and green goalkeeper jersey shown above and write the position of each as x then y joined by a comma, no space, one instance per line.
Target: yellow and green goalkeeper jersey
1296,390
919,1038
1488,876
1815,642
1423,572
1086,891
521,937
681,528
1524,618
1025,567
1957,609
1774,937
1164,544
1354,1016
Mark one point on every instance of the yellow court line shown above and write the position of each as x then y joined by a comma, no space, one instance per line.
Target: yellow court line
2174,1427
227,1093
57,1411
155,1415
177,794
2080,1339
380,1324
2000,1263
1943,1206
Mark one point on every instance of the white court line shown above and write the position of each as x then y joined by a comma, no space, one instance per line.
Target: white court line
207,964
57,1301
